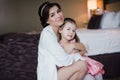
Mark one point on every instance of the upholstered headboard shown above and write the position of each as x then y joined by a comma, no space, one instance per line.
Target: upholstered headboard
113,6
94,22
111,19
107,20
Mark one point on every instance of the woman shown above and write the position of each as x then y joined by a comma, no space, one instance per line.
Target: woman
53,62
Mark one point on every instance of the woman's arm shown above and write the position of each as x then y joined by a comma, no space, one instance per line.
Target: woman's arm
80,46
48,41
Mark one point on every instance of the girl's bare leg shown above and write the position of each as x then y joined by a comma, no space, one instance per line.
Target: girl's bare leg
81,73
73,72
74,76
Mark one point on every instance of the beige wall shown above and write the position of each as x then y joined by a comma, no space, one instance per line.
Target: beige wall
22,15
76,9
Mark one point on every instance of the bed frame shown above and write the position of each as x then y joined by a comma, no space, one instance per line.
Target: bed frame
111,64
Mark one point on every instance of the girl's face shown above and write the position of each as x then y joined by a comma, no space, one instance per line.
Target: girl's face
56,18
68,31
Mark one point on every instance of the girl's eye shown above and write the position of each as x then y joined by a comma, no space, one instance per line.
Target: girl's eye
73,30
68,29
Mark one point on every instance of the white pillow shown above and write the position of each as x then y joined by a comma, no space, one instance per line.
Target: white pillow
110,20
117,19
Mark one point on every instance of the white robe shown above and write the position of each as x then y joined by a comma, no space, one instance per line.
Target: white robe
50,54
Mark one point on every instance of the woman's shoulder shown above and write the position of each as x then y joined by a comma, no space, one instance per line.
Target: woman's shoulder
47,28
48,31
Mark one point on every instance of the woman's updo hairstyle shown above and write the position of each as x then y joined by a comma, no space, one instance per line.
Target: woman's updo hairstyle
44,12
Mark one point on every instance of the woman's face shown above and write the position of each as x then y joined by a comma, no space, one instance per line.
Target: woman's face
68,31
56,17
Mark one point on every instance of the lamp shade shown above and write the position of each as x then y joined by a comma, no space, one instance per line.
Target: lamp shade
92,4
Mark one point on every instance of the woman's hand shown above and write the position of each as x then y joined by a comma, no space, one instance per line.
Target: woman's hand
82,52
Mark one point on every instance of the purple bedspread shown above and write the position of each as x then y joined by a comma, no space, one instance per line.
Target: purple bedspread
18,56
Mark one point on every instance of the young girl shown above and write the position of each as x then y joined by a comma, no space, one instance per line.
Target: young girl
68,38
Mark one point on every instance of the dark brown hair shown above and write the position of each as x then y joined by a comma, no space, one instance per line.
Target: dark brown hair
44,12
73,22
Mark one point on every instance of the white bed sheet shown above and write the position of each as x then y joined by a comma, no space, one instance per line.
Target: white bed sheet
100,41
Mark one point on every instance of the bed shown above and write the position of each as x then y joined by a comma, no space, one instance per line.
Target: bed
102,40
18,57
18,51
